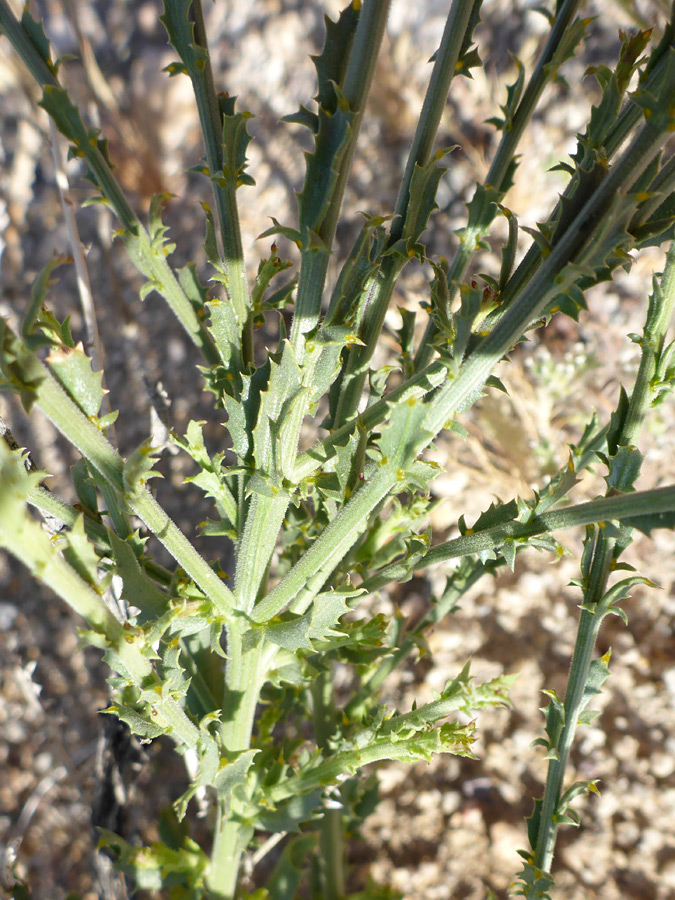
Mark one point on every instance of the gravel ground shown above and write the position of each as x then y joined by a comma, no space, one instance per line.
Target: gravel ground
445,830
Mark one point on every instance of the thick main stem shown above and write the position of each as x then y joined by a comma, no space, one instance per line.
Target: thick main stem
243,681
229,842
331,838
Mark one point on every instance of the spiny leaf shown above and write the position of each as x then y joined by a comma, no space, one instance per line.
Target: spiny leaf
647,522
35,313
624,468
404,434
36,34
423,189
138,469
236,139
330,64
291,234
72,368
138,722
193,288
323,166
620,590
481,209
157,229
508,551
555,721
171,671
496,514
297,632
509,248
85,488
211,246
82,556
290,632
514,92
226,331
575,790
137,588
469,57
279,408
20,369
243,412
328,609
210,478
267,270
598,673
56,102
533,883
180,30
566,48
284,880
215,772
323,353
347,299
460,694
159,866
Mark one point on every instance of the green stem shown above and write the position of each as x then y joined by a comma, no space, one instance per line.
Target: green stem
114,508
242,687
619,507
605,550
229,842
225,195
170,535
464,576
449,739
156,268
357,358
311,282
662,186
497,176
243,680
358,80
332,861
550,279
356,86
265,515
659,316
589,625
540,78
308,575
412,388
263,520
136,238
357,362
459,18
43,500
25,539
71,422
